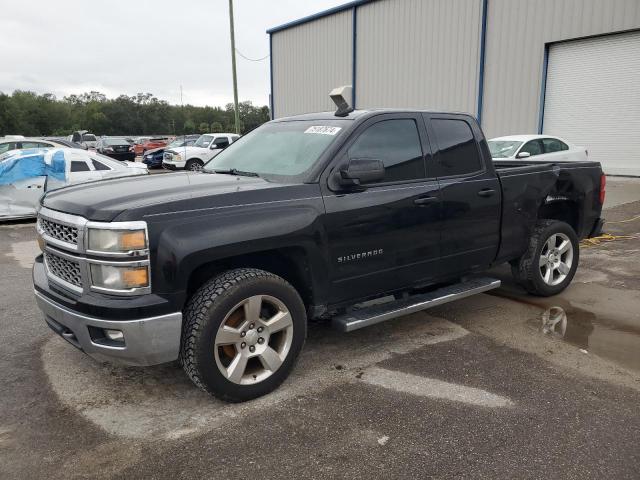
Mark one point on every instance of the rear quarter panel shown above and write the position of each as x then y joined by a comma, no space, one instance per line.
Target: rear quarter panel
529,186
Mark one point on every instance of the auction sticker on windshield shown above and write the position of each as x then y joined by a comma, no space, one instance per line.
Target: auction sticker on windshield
323,130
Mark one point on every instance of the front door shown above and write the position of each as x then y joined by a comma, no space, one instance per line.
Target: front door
470,192
386,236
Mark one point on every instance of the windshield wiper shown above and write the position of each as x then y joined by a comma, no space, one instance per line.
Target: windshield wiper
235,171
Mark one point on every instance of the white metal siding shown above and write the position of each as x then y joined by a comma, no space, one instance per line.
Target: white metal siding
310,60
593,99
418,54
517,31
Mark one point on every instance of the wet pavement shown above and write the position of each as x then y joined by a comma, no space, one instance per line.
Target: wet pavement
500,385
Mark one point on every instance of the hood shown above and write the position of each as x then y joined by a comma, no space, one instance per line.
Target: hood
154,150
189,150
153,194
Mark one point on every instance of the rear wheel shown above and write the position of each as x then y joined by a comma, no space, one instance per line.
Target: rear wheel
551,261
194,165
242,333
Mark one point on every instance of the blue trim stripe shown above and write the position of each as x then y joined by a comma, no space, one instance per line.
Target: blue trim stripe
354,56
325,13
543,88
271,102
483,40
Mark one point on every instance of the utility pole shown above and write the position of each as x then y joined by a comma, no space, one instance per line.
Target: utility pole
233,68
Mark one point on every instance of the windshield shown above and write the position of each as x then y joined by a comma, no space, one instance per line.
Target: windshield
176,143
503,148
87,137
280,149
203,141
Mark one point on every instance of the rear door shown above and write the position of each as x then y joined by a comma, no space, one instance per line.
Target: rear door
535,148
386,236
80,170
555,150
470,194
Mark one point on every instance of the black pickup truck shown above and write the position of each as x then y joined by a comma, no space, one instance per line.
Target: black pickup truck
303,218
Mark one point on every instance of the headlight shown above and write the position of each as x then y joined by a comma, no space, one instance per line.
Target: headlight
117,241
119,278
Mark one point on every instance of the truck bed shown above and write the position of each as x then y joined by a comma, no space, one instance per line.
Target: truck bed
528,186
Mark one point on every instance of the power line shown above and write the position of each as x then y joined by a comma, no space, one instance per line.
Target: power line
252,59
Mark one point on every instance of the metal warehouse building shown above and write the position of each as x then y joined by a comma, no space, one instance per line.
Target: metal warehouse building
569,68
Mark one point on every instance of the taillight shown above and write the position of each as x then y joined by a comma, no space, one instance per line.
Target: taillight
603,188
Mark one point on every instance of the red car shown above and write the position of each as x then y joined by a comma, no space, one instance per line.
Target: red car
145,144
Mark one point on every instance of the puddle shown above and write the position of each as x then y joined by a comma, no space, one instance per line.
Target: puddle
596,334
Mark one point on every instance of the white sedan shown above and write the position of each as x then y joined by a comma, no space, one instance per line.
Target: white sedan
542,147
26,174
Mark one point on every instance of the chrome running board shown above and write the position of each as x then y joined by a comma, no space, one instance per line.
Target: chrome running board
364,317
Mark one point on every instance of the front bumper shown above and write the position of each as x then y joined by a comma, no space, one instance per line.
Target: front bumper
173,165
147,341
153,161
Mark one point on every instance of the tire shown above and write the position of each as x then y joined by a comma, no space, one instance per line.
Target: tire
531,269
194,165
218,312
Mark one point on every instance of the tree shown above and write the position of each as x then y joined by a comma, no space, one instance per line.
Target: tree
27,113
189,127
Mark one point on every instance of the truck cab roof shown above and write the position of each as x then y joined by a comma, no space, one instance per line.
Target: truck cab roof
360,114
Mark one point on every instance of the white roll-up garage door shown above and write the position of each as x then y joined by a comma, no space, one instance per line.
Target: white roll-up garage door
593,99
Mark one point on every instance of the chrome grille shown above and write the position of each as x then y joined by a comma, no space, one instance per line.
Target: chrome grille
59,231
167,156
64,269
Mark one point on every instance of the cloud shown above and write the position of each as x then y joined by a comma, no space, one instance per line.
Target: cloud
126,47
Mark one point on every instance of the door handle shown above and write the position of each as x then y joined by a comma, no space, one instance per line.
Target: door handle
486,192
425,200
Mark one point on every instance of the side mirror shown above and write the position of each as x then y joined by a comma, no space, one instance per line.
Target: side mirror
359,171
523,155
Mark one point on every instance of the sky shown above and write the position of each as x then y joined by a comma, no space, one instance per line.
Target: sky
125,47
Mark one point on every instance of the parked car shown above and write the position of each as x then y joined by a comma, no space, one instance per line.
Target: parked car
62,142
83,137
116,147
24,175
20,143
193,158
543,147
141,147
153,158
303,218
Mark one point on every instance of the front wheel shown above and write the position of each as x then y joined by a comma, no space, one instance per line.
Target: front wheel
194,165
242,333
551,261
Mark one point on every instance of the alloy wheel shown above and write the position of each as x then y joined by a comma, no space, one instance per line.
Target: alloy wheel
253,340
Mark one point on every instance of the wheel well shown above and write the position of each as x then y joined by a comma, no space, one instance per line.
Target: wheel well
288,263
565,211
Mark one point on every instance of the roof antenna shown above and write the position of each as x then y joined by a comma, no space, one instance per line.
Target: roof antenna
339,96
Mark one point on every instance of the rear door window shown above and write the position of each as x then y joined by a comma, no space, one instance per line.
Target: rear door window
457,148
533,147
552,145
99,165
397,144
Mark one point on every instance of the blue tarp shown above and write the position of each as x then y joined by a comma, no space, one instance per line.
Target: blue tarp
31,163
